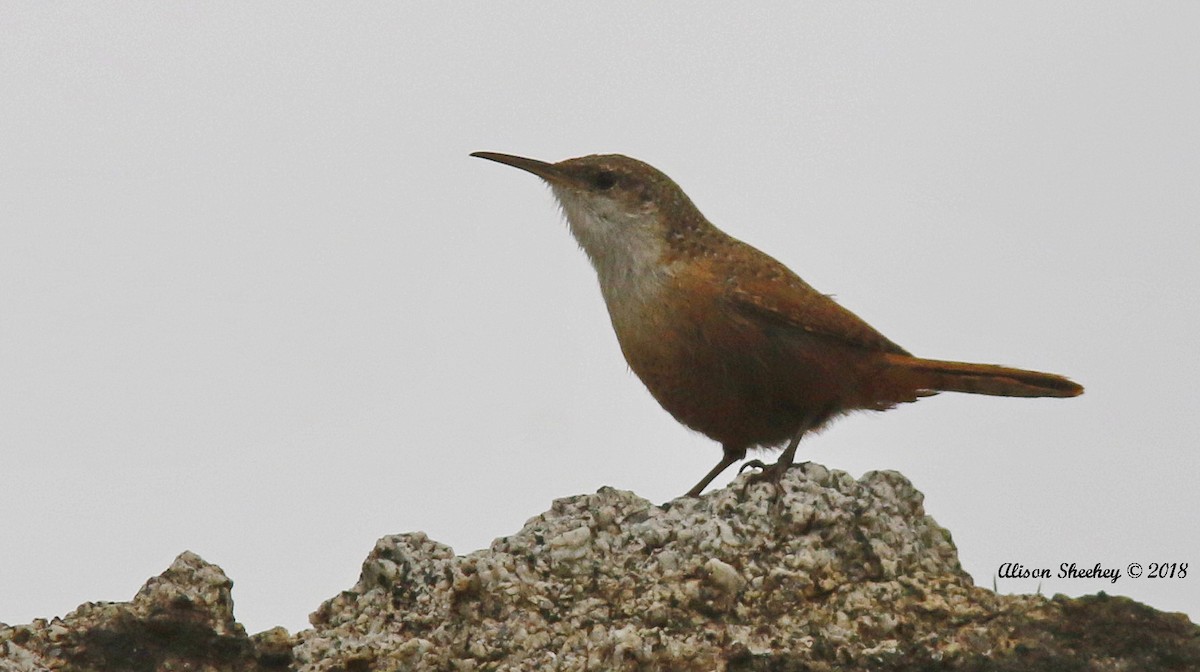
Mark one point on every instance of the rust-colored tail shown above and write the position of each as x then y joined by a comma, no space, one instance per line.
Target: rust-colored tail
931,375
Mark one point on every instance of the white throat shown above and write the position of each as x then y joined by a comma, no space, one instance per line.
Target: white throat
625,248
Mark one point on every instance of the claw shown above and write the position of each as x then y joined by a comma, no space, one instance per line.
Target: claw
752,464
772,473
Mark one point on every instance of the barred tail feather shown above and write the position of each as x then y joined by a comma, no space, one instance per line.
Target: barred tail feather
930,375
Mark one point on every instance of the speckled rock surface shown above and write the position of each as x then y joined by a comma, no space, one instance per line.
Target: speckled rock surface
834,574
181,619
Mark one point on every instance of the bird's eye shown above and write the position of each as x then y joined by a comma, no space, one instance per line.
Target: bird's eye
604,180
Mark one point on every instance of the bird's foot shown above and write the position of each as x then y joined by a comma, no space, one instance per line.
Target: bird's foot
768,473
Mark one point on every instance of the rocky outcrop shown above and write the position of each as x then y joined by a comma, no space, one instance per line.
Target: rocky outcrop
826,573
181,619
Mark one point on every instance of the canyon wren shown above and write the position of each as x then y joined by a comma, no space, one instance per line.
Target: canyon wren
727,339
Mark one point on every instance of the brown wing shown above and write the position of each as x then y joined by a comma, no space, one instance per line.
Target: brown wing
771,293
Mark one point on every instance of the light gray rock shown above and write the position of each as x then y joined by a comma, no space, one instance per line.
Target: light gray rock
831,573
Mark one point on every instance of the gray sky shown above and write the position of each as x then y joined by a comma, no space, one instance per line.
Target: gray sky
257,302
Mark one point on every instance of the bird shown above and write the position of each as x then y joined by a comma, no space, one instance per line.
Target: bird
728,340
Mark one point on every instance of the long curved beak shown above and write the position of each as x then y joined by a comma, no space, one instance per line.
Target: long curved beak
546,171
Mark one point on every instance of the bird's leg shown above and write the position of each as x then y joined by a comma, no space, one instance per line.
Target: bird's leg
731,455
